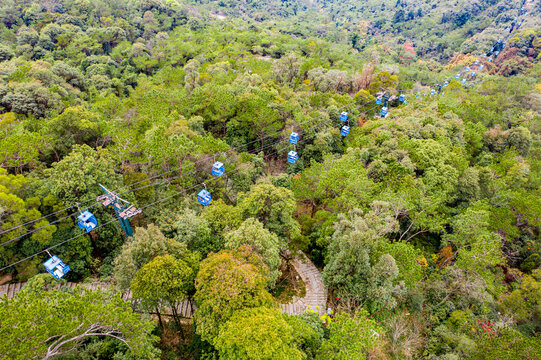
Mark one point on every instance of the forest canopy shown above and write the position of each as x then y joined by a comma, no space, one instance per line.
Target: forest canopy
184,162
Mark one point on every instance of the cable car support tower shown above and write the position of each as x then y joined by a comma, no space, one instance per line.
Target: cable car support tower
123,209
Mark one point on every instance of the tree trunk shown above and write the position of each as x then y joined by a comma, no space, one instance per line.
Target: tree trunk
159,317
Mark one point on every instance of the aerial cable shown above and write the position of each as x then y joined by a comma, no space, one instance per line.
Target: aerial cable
161,200
141,187
147,179
112,221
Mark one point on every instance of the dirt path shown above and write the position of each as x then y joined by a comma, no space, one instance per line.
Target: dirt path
316,292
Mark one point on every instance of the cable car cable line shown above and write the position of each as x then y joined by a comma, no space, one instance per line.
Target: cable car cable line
150,178
135,189
143,207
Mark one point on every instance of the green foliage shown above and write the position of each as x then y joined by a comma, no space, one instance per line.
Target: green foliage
142,248
350,337
32,327
523,303
361,275
257,333
273,207
252,233
227,281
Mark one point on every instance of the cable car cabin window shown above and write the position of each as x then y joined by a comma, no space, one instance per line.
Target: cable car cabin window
294,138
218,169
204,197
292,157
56,267
87,221
344,116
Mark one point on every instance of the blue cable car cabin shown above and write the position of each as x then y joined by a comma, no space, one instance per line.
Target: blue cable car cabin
204,197
292,157
476,62
345,130
344,116
496,53
218,169
87,221
467,68
481,67
473,73
445,84
56,267
463,81
384,111
379,100
432,92
457,76
294,138
402,98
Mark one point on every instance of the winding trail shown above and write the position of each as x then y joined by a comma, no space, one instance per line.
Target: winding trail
316,292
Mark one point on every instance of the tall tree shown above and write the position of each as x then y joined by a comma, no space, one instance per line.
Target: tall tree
228,281
42,325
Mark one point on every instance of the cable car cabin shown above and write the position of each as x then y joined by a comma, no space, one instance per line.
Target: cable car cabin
484,55
489,59
204,197
379,100
402,98
463,81
457,76
467,68
481,67
218,169
384,111
292,157
476,62
432,92
445,84
87,221
56,267
294,138
345,130
473,73
344,116
496,53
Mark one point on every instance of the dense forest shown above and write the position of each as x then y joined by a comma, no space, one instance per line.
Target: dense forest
176,158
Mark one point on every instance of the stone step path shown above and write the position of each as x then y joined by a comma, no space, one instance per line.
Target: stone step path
316,292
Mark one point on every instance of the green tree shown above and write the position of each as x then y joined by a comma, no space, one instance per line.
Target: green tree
44,324
76,178
350,337
361,276
273,207
259,334
144,246
165,281
252,233
524,303
227,281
